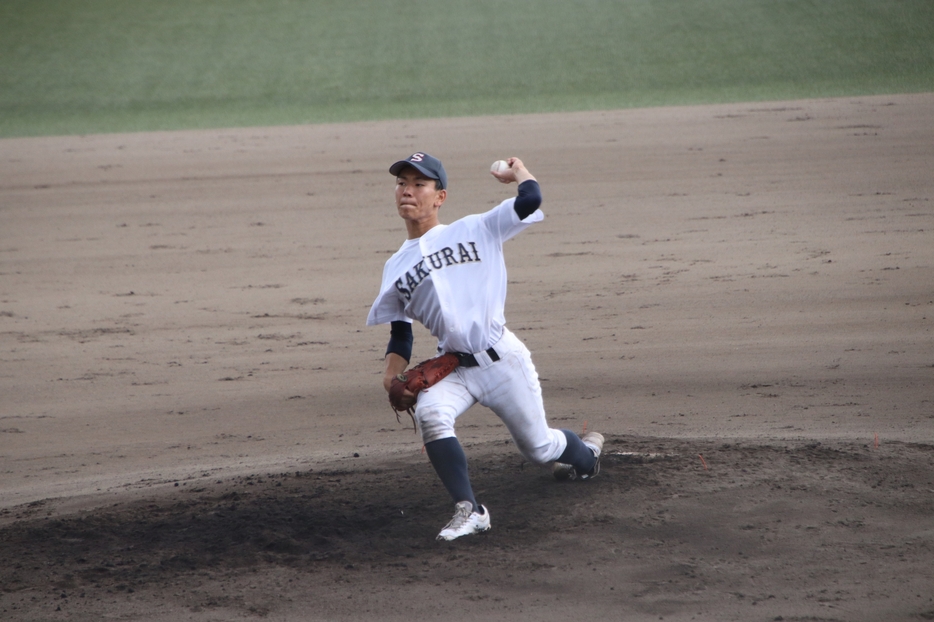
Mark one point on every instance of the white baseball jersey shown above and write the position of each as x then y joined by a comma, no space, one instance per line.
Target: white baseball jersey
453,280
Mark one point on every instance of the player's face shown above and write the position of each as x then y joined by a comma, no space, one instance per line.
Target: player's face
417,197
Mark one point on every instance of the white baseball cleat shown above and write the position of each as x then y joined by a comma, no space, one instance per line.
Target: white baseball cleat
593,440
465,522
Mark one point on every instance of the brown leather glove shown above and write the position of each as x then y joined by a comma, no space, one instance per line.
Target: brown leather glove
403,392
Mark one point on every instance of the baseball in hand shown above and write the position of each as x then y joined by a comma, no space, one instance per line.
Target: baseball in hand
500,167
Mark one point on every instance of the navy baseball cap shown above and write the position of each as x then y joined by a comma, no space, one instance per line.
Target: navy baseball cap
427,165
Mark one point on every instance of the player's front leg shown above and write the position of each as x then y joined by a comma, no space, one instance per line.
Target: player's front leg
436,413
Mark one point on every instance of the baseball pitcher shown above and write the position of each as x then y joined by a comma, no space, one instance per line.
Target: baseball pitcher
452,279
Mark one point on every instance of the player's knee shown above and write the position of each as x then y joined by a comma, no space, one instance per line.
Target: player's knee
539,454
434,424
541,449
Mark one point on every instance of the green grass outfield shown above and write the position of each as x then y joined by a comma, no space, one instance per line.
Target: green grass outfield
84,66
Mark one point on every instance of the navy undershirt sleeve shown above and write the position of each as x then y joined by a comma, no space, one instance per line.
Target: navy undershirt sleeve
401,339
529,198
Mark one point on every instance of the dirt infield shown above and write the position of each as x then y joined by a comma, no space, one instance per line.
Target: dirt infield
192,424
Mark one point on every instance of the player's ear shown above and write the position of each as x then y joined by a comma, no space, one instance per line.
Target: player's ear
442,195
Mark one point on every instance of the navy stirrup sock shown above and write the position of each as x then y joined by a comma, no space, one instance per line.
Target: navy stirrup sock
577,454
450,463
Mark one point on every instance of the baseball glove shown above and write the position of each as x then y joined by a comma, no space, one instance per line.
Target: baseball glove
416,379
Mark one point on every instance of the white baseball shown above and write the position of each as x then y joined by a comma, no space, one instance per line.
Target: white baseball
500,167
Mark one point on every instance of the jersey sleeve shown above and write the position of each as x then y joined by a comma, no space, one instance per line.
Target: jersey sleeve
388,306
504,222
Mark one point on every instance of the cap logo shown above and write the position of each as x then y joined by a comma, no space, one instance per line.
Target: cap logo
417,157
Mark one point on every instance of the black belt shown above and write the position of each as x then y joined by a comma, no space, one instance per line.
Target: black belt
469,360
